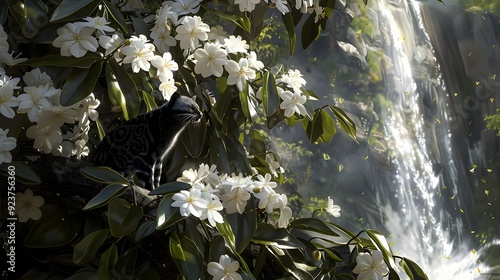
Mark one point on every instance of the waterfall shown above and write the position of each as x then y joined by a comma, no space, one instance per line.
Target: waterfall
428,190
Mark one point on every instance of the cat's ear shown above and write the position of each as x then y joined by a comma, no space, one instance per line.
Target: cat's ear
175,95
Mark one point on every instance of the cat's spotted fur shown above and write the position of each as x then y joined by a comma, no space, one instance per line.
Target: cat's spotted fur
140,145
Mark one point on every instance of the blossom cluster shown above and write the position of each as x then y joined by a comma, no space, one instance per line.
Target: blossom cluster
211,193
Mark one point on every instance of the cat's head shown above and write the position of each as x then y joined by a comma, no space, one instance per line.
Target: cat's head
185,108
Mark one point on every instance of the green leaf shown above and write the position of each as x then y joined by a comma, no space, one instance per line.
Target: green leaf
58,60
310,31
345,122
228,234
53,230
166,214
107,263
30,15
103,174
123,217
170,188
149,100
80,83
218,154
100,130
245,106
242,20
70,10
290,28
344,276
268,235
145,229
86,249
382,244
127,263
122,90
115,16
413,270
105,195
270,96
217,249
257,144
314,128
243,225
186,256
140,27
21,171
312,224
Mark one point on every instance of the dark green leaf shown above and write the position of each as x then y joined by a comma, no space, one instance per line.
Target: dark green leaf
286,263
107,263
86,249
257,144
290,28
268,235
228,234
258,14
312,224
243,225
242,21
332,254
217,249
382,245
328,127
53,230
105,195
344,276
413,270
122,90
140,27
70,10
223,104
245,103
30,15
314,128
100,130
270,96
58,60
186,256
166,215
103,174
219,155
123,217
116,16
149,100
345,122
80,83
310,31
393,275
145,229
127,263
22,173
170,188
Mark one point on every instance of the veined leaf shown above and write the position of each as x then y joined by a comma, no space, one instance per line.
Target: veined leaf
268,235
123,218
242,21
53,230
103,174
122,90
345,122
58,60
107,263
186,256
80,83
88,246
116,16
170,187
70,10
105,195
270,96
166,214
31,15
290,28
24,174
382,245
413,270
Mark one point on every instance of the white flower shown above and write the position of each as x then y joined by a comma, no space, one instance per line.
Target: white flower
167,88
253,62
281,6
34,99
54,117
212,212
9,59
334,210
370,267
239,73
190,202
98,23
293,78
184,7
75,41
217,34
4,45
165,65
7,144
225,269
264,181
162,37
191,31
138,53
302,5
36,78
212,177
235,44
74,144
274,166
239,181
268,198
86,111
110,44
234,200
28,206
193,177
285,211
209,60
246,5
7,101
45,139
8,82
292,103
317,9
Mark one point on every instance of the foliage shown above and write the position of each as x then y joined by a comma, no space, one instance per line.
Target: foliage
493,122
88,65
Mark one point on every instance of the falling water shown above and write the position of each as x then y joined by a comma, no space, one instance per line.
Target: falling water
417,129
